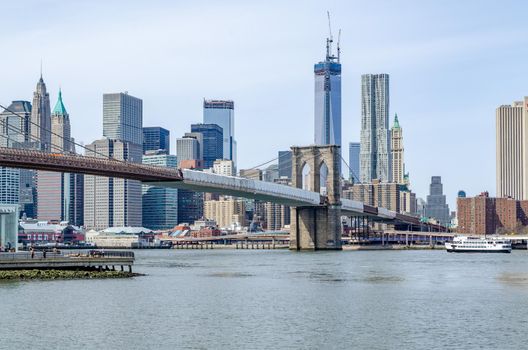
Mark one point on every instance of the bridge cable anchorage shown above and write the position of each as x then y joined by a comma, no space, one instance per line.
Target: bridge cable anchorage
156,169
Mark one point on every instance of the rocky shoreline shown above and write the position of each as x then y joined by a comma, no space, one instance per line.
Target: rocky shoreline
63,274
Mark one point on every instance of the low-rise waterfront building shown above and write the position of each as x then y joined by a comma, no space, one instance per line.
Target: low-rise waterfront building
120,237
40,232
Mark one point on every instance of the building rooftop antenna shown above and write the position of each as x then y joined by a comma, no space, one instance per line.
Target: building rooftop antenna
329,40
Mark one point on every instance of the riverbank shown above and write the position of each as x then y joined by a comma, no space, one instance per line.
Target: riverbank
392,247
63,274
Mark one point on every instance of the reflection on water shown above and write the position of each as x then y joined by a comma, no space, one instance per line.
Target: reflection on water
514,279
222,299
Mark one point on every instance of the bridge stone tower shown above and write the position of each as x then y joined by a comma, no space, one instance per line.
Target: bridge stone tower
317,228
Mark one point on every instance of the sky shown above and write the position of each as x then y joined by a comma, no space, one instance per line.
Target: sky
451,64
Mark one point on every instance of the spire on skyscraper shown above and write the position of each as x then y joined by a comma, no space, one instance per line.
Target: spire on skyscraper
396,124
59,106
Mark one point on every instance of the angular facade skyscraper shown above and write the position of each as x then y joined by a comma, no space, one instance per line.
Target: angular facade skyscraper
436,206
160,204
375,162
41,117
123,118
327,102
213,146
398,167
156,139
353,161
222,113
512,150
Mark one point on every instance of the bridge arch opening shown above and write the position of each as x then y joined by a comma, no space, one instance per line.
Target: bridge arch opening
323,178
305,175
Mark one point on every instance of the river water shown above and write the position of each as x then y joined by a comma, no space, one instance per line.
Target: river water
276,299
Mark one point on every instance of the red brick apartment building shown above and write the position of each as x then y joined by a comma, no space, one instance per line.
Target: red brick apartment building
487,215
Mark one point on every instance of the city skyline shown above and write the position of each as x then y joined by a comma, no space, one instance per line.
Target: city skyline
453,47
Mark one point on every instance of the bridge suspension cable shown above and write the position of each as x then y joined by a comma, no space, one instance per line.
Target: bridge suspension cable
54,134
350,168
36,139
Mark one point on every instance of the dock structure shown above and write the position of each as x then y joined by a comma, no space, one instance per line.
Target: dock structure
99,260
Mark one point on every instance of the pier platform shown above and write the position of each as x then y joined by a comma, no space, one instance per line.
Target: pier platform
107,260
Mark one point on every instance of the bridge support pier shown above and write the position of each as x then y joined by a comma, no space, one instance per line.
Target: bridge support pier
315,228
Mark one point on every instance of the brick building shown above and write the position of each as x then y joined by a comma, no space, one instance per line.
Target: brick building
488,215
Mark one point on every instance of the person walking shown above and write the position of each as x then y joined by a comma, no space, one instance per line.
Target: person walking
32,252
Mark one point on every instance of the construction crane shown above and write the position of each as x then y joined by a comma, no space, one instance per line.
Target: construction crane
330,40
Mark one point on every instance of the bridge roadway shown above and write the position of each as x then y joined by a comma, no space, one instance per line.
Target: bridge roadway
191,180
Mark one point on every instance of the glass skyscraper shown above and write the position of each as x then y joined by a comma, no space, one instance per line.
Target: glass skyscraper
375,154
222,113
327,103
285,164
160,204
213,147
156,138
123,118
353,161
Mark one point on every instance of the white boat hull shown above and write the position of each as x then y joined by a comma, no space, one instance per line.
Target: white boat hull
460,248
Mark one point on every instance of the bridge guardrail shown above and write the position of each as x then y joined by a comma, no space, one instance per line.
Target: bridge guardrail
255,186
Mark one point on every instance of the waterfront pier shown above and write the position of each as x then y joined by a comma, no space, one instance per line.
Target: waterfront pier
92,260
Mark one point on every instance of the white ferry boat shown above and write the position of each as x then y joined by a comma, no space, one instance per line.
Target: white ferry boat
475,244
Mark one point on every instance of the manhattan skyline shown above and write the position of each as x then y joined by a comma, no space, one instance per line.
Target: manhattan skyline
441,59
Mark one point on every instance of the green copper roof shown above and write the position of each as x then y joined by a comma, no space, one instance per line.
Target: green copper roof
59,106
396,123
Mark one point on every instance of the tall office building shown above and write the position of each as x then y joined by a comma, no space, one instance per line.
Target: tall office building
222,113
226,211
398,166
112,202
156,139
15,125
375,152
285,164
160,204
15,132
327,102
60,197
61,141
436,206
512,150
277,216
58,193
353,161
9,185
41,117
188,148
123,118
213,145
